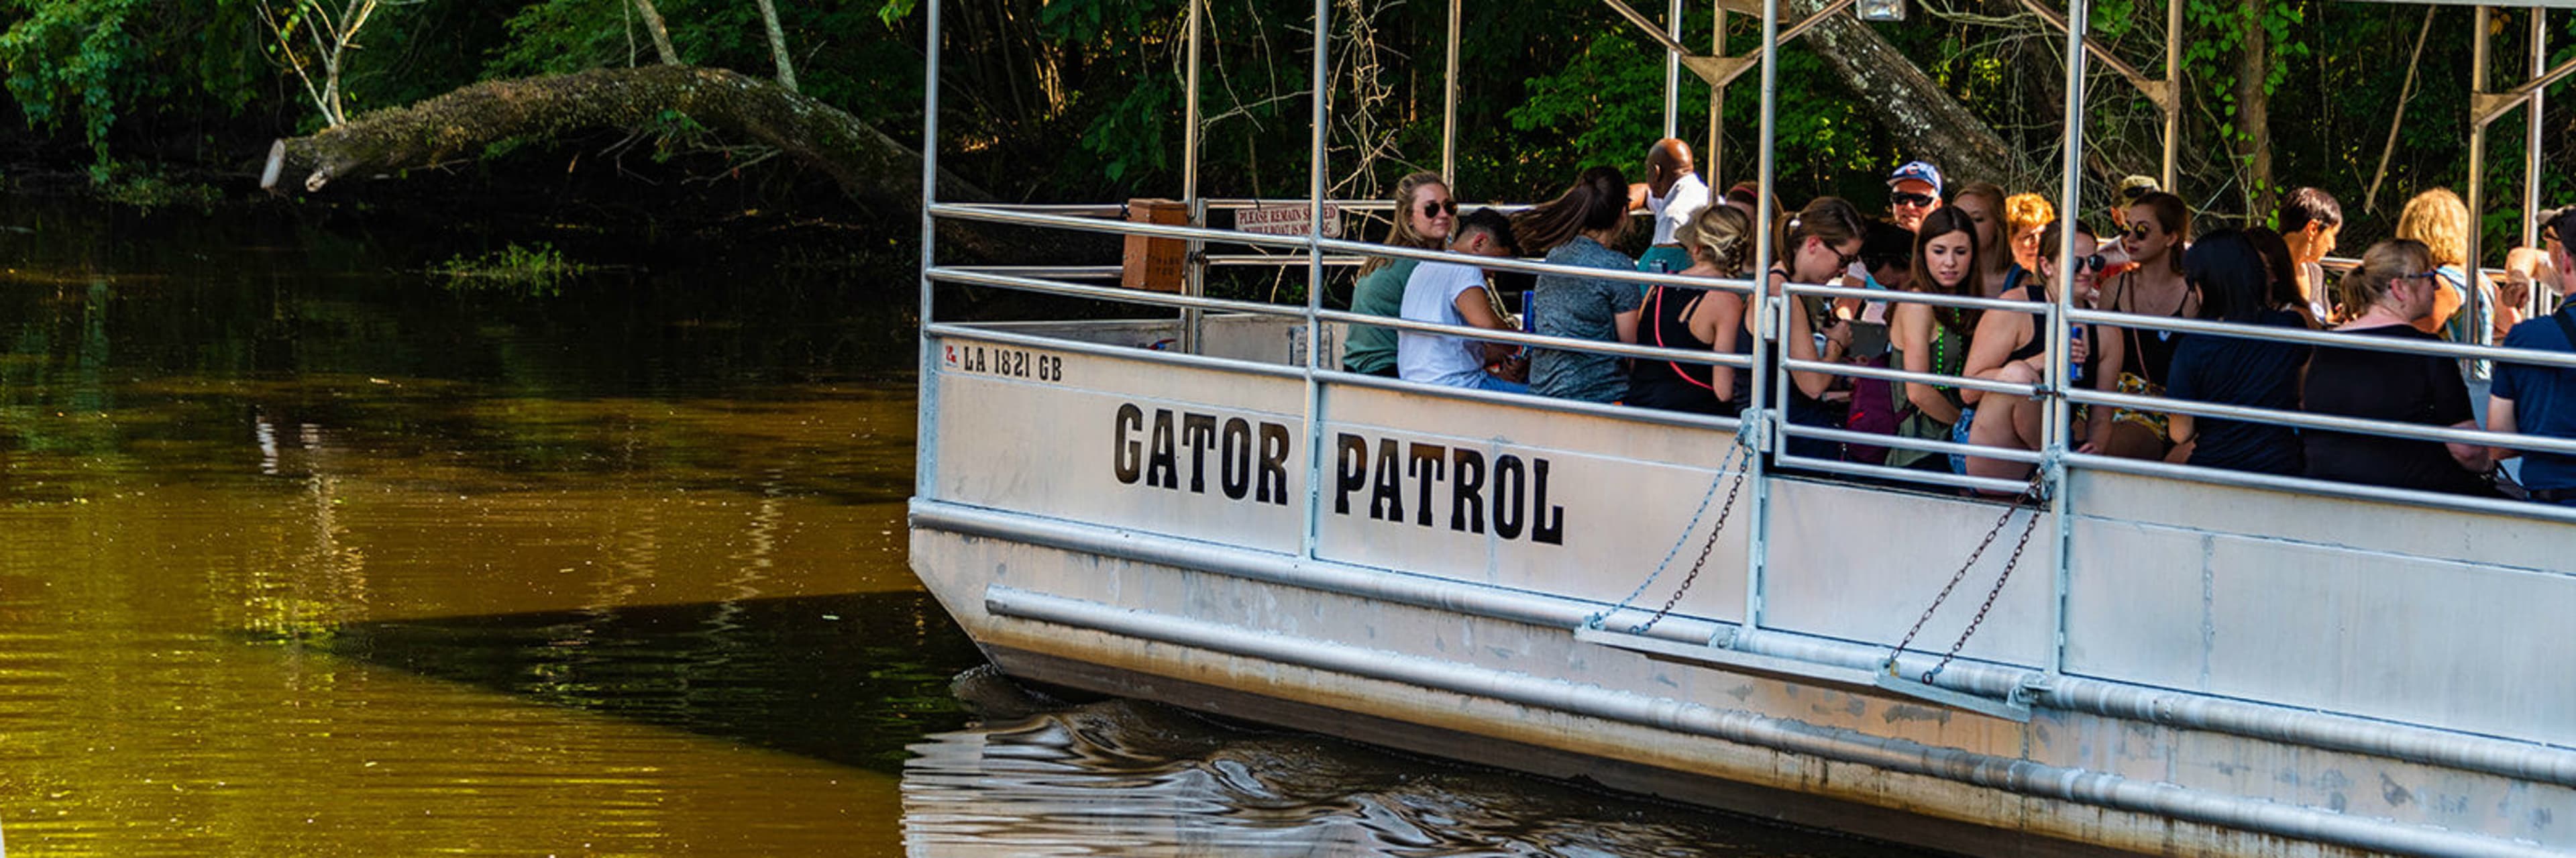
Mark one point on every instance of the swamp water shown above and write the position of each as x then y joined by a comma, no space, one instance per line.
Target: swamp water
305,552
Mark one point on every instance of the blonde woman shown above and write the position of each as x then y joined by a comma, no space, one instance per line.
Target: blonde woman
2438,220
1424,216
2389,295
1719,240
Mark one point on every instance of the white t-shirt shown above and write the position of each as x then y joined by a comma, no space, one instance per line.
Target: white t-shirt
1677,206
1431,295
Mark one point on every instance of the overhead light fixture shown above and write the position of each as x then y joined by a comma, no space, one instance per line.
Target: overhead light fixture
1880,10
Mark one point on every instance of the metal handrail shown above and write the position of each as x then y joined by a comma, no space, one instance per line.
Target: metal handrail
1905,296
2331,488
1985,484
2328,422
1919,445
1911,377
1166,299
1040,341
2334,339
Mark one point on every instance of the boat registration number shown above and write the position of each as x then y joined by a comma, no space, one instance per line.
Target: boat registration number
1004,362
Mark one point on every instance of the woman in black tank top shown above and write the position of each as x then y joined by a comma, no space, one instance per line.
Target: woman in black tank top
1719,240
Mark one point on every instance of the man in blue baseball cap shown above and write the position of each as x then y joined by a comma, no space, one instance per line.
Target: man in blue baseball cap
1913,191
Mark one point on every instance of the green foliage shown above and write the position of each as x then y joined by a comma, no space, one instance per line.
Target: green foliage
78,66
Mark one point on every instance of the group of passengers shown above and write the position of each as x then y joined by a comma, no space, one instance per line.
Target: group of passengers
1981,242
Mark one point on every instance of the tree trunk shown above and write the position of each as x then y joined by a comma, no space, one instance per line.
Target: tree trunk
661,35
2254,114
870,166
777,45
1927,122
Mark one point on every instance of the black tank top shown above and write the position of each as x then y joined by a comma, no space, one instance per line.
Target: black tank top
2038,341
2154,349
1676,385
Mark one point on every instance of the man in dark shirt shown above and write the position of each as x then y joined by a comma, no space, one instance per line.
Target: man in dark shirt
2541,400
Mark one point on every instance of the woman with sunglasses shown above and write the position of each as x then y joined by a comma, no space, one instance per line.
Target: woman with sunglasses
1577,228
2158,228
2389,294
1814,246
2013,347
2235,284
2440,221
1424,216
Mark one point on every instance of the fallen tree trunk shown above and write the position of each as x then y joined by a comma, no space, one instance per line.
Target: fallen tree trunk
1929,124
869,166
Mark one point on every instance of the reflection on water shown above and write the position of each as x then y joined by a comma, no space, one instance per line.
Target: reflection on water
303,556
1128,778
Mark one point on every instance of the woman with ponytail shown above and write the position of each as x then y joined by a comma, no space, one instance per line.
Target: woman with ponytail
1719,240
1577,228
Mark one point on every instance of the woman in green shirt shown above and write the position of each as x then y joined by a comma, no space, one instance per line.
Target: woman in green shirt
1424,214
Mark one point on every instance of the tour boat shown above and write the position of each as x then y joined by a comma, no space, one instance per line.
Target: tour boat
2121,657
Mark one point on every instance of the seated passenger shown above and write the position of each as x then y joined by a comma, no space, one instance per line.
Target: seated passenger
2013,347
1984,205
2153,286
1814,246
2390,293
2310,219
1720,242
1577,228
2438,220
1913,191
2024,216
2281,276
1887,256
2235,286
1928,339
2537,400
1454,293
1424,214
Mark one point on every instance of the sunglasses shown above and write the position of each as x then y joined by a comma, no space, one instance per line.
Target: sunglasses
1434,209
2140,231
1841,259
2133,192
2094,262
1909,198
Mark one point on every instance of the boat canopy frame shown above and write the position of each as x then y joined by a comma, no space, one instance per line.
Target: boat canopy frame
1763,424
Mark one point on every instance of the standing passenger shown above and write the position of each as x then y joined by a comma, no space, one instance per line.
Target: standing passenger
2389,294
2440,221
1720,242
2235,286
1424,214
2310,219
1675,193
1577,228
1453,293
2541,400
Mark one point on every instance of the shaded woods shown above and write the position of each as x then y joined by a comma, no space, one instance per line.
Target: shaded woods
1081,99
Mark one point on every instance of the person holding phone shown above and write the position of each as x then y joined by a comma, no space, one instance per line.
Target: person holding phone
2013,347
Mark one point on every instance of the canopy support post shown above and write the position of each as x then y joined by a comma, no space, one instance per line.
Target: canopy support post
1673,72
1193,320
925,477
2481,327
1449,106
2170,176
1314,404
2070,199
1767,372
1716,150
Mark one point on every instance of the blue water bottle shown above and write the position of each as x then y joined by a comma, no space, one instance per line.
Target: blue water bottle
2075,369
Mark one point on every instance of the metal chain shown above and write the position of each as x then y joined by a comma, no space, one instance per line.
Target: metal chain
2029,497
2010,563
1724,465
1698,564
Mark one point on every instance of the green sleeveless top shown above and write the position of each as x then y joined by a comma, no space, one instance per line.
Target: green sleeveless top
1949,357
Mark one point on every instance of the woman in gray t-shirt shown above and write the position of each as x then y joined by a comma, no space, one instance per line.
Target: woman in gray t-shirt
1577,228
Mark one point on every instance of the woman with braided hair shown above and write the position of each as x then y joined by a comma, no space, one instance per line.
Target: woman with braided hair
1719,240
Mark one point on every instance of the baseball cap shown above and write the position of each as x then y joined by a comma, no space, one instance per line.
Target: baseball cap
2555,222
1917,171
2133,187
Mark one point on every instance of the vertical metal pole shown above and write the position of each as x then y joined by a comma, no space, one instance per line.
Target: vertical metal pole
2070,200
1759,419
2170,176
1193,320
1673,71
1716,157
1449,107
1315,276
2531,133
2480,326
926,417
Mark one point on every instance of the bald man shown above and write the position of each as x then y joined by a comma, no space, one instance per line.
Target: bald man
1676,194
